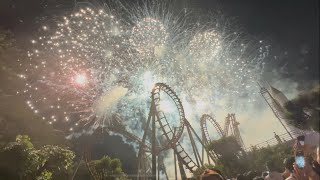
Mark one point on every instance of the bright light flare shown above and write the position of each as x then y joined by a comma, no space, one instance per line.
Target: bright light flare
148,81
81,79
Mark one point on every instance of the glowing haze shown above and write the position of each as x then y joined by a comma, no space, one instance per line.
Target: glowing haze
113,59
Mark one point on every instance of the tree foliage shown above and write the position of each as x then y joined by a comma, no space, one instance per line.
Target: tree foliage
19,157
305,103
55,159
275,154
21,160
107,169
200,170
225,146
229,153
233,161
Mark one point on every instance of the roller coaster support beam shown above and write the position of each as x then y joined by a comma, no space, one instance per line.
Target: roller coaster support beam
175,165
180,163
194,148
199,139
153,147
141,152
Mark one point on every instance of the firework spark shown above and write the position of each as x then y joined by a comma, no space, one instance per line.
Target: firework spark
95,63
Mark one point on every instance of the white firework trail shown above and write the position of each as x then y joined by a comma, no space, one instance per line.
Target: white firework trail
97,62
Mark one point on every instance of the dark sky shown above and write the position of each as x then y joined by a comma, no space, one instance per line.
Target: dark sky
291,26
288,21
294,21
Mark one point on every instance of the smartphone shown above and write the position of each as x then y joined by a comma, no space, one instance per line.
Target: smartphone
301,139
300,162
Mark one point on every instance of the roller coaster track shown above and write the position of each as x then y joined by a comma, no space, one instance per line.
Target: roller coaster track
116,127
230,123
205,134
169,135
231,118
204,128
274,106
184,158
172,135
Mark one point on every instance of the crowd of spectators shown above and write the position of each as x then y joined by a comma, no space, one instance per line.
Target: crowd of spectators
289,170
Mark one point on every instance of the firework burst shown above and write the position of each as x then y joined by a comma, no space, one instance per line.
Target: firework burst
95,63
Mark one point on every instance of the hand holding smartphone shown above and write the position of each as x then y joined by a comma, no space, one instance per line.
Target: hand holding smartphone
300,159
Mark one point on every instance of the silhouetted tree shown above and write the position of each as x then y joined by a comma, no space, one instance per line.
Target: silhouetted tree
107,169
233,161
305,104
229,154
21,160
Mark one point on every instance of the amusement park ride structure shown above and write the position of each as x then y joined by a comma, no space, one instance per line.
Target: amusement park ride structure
275,107
230,129
276,101
160,136
169,138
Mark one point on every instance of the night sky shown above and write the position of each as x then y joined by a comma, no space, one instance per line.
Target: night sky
291,27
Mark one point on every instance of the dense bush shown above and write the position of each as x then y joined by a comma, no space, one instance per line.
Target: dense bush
232,160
